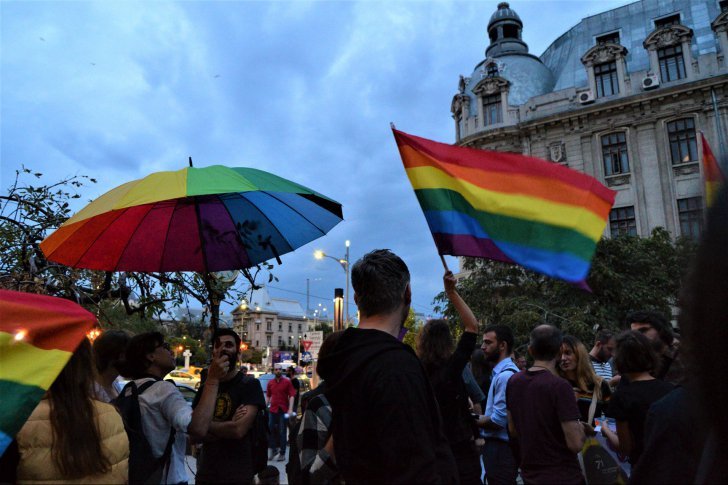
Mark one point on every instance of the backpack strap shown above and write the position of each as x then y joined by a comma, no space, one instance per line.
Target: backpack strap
164,460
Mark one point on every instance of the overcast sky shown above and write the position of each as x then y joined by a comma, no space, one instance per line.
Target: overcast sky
116,90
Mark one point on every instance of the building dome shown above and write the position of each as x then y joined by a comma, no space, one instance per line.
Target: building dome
526,74
504,31
504,12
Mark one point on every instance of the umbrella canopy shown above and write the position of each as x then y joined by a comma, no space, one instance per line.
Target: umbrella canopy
195,219
38,334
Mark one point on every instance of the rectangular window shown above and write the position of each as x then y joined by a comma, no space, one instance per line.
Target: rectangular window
491,70
605,76
614,153
280,342
268,327
622,222
690,211
257,326
299,328
683,144
245,327
289,328
280,327
267,340
611,38
257,344
669,20
672,64
492,110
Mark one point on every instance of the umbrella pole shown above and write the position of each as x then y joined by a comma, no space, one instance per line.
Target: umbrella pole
213,297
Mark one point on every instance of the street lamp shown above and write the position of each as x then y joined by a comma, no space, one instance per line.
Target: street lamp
344,262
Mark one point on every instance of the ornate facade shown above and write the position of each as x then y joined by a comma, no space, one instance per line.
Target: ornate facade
622,96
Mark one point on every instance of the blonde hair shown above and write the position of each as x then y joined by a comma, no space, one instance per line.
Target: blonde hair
585,375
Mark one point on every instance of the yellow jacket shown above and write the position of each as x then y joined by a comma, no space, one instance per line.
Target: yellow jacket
36,437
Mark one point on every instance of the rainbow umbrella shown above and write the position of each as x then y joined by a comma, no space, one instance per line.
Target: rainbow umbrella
38,334
195,219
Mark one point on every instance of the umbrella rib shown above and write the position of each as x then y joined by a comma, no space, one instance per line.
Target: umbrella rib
126,245
202,237
94,242
242,243
294,210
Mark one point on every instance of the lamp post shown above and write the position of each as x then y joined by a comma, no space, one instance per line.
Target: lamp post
338,315
344,262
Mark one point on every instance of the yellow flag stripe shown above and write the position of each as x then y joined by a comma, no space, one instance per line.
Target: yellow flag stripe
25,364
513,205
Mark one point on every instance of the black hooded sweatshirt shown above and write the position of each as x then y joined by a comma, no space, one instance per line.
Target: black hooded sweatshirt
386,423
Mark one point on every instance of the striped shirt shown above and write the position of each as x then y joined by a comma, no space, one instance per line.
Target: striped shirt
602,369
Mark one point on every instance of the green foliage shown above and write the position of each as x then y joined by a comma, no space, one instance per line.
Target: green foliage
627,273
413,327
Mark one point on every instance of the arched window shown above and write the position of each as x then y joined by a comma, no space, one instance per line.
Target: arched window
669,50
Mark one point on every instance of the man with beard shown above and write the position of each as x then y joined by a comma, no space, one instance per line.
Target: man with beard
500,464
386,423
227,454
601,353
658,330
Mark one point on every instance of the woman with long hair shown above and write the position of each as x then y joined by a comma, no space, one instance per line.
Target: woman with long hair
635,359
592,392
70,437
444,364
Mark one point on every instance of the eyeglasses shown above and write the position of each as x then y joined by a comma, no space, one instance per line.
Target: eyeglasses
163,344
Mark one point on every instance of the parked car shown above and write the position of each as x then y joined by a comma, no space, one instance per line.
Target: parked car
181,377
188,392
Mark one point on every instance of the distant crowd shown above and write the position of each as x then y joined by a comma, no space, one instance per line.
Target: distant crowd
641,405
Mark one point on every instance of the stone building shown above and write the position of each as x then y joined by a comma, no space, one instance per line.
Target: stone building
622,96
266,322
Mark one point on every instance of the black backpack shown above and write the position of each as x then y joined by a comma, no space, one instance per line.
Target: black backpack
259,437
143,467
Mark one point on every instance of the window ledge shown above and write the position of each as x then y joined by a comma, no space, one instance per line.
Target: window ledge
679,169
619,179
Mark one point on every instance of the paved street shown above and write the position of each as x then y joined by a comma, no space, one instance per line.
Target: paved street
192,469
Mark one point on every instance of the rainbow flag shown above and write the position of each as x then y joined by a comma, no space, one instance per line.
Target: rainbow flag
38,334
712,174
507,207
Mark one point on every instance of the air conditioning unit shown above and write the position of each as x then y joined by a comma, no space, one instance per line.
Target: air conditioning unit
651,81
586,97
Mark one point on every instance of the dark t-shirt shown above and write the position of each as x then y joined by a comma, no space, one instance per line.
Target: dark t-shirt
539,402
229,460
451,393
630,403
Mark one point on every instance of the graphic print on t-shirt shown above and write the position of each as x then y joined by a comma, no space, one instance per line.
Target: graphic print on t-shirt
223,407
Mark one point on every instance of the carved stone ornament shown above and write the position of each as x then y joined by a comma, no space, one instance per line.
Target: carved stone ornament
602,53
615,180
686,169
490,85
668,36
557,153
457,103
462,84
720,24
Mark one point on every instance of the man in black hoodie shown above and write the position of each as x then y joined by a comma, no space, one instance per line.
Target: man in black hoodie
386,423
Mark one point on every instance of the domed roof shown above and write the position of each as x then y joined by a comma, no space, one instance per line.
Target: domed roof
527,75
504,12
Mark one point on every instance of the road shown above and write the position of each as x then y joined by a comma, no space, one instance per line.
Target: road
192,469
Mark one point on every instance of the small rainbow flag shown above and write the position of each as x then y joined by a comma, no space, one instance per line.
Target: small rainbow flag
38,334
507,207
712,174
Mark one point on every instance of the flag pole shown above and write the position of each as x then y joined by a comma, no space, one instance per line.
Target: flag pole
444,263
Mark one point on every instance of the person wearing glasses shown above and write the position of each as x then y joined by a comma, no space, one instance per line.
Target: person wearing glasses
166,416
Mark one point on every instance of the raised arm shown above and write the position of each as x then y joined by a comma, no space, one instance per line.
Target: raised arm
470,324
202,415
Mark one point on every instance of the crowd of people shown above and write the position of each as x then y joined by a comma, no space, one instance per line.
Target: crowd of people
452,411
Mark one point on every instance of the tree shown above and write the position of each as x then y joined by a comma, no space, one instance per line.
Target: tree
627,273
413,327
30,211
